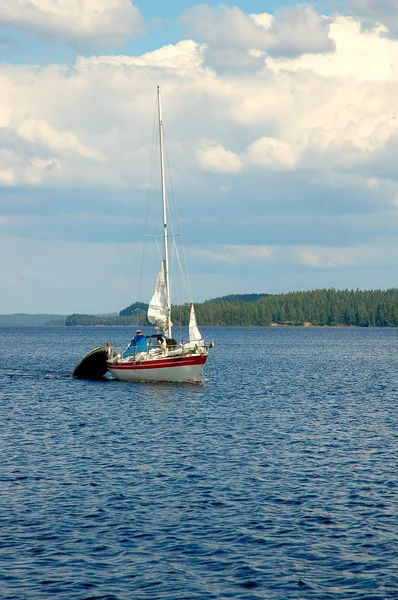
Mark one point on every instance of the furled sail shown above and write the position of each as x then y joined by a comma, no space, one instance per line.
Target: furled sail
158,310
194,333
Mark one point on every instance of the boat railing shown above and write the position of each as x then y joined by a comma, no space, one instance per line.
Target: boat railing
153,348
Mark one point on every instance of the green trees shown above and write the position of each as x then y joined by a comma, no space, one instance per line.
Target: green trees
138,308
77,319
318,307
373,308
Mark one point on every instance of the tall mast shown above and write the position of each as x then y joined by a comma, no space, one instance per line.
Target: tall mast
165,235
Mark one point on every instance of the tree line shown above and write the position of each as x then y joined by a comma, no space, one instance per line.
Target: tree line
91,320
372,308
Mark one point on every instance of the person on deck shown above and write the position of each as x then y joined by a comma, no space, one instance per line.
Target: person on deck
137,344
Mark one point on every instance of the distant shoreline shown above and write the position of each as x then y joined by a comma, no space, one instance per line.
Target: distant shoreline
215,326
314,308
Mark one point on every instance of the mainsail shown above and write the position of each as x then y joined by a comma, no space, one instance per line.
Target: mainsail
194,333
158,310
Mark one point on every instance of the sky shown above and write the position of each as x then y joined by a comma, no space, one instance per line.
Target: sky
281,127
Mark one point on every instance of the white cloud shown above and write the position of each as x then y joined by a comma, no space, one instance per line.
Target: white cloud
265,153
17,167
214,157
374,254
66,270
34,153
268,150
81,22
223,27
183,57
7,177
359,55
297,30
292,30
374,12
318,114
314,256
62,143
233,254
271,153
323,257
231,36
233,59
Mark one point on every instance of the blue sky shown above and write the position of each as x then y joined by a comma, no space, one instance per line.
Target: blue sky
281,129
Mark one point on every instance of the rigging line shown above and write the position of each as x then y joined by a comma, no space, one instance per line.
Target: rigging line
181,276
183,263
177,301
157,245
172,271
176,254
151,170
184,278
171,219
184,268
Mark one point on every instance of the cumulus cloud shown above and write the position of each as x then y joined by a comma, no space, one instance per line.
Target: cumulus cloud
223,27
309,133
295,144
271,153
182,57
233,59
374,13
296,30
19,170
85,23
61,143
265,153
235,40
214,157
314,114
360,55
317,114
365,146
32,152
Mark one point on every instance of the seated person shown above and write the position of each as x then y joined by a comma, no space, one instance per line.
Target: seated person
137,344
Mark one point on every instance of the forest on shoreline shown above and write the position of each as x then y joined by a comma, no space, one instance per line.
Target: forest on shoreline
350,308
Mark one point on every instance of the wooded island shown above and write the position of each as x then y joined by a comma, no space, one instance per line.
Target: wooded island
356,308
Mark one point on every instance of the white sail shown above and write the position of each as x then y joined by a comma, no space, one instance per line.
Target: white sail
194,333
158,310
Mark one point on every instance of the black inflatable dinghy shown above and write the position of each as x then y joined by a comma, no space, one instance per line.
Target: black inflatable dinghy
93,365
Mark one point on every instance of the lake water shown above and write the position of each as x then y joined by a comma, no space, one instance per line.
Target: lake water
275,478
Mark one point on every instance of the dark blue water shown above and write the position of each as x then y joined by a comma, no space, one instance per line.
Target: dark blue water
275,478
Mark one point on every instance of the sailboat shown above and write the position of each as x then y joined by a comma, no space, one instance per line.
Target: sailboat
160,357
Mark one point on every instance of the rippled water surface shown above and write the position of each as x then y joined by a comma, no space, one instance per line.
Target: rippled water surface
274,478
